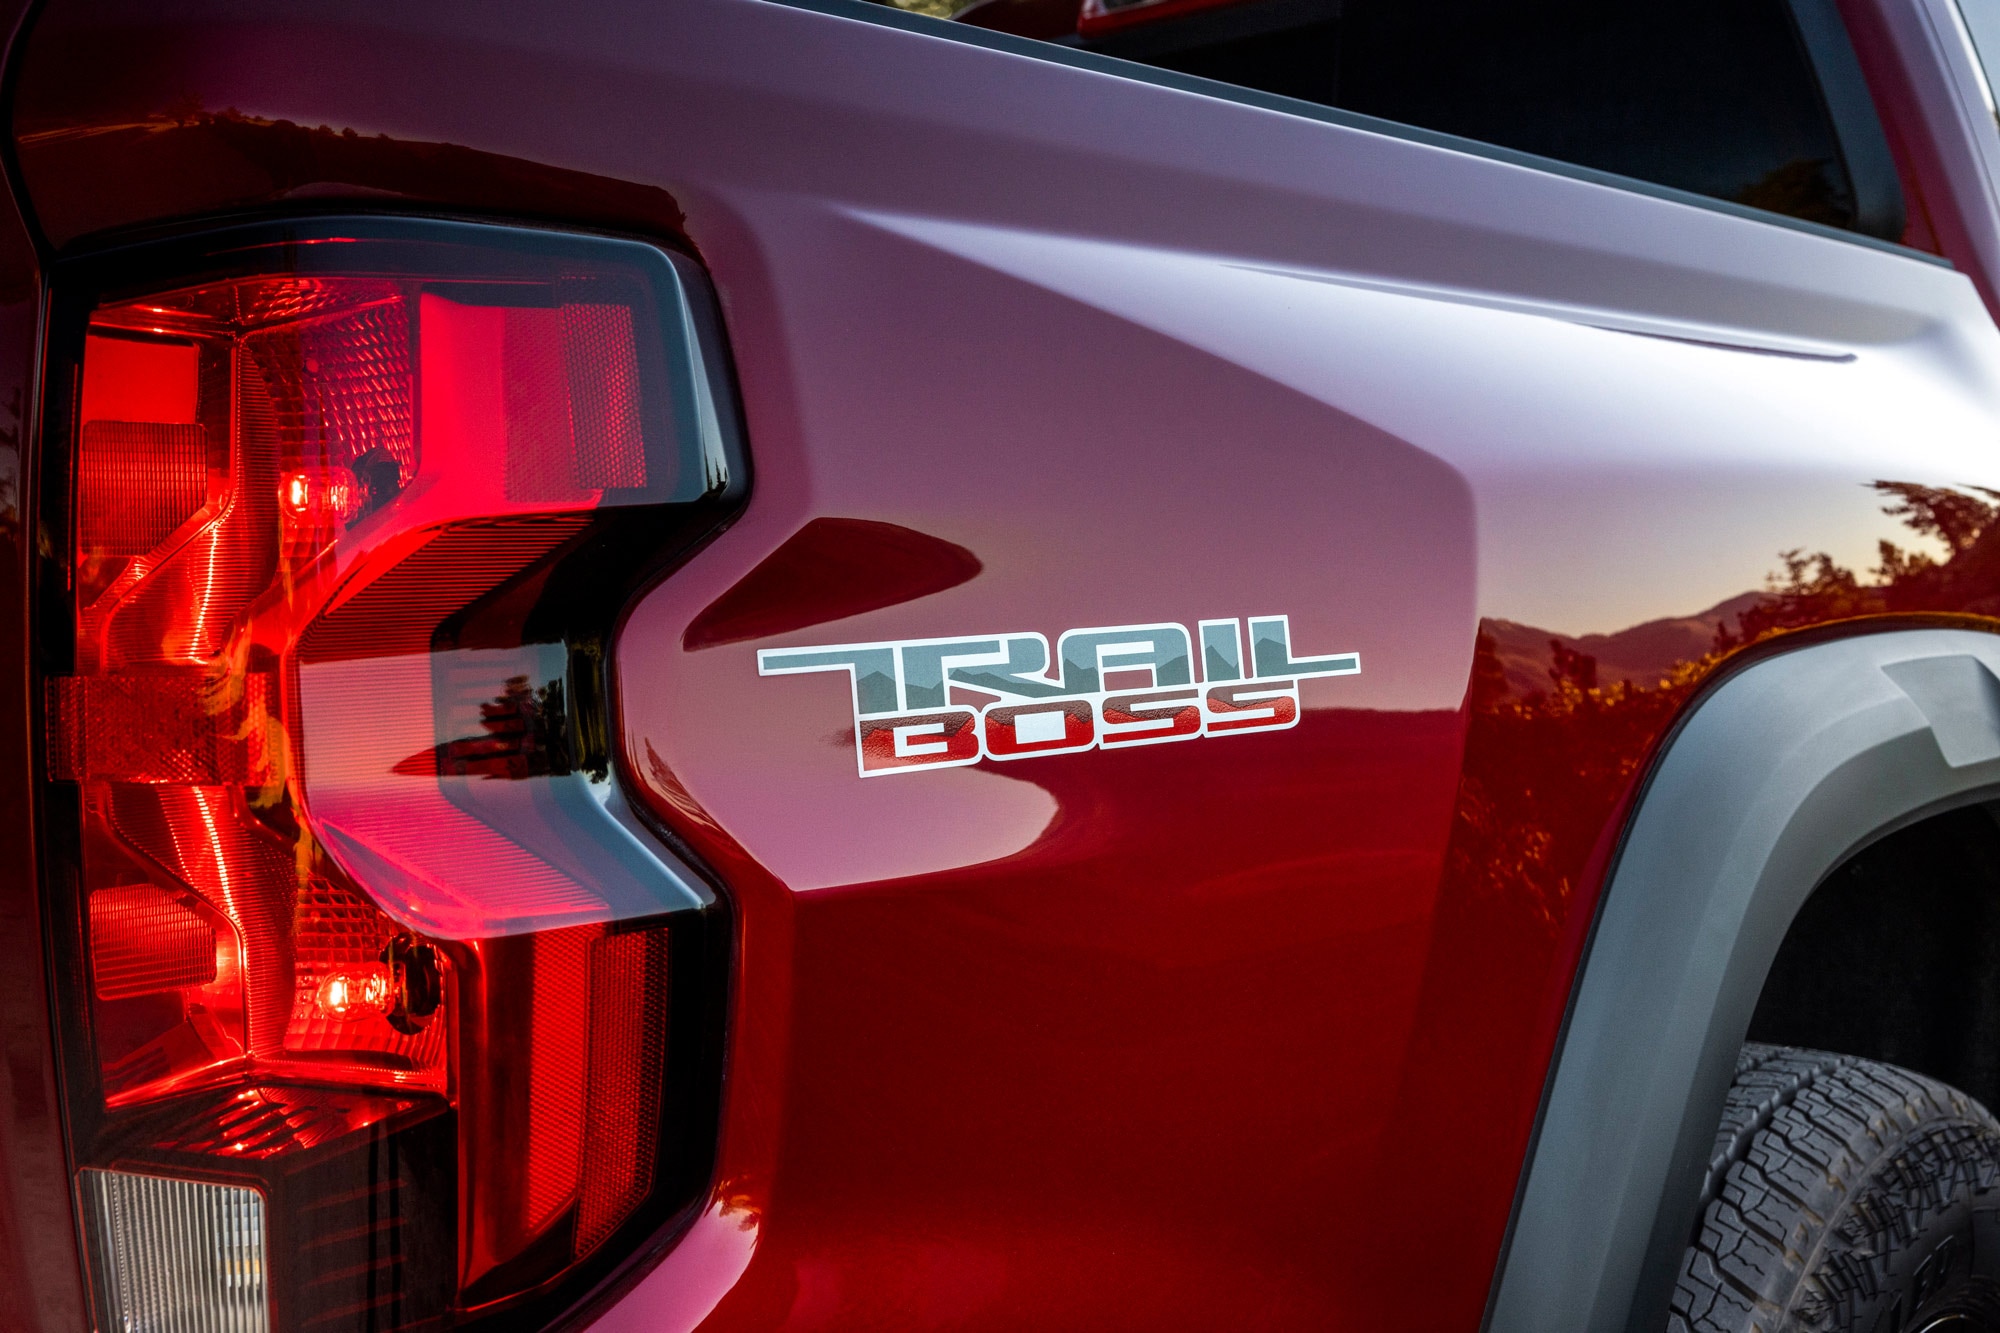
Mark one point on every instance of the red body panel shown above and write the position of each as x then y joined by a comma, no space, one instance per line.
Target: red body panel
40,1281
1248,1032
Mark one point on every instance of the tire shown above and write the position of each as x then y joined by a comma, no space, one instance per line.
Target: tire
1844,1196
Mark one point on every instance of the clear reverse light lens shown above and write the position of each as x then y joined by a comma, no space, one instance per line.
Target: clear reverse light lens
175,1256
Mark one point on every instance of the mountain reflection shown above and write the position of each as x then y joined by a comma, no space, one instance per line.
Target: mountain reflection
1560,725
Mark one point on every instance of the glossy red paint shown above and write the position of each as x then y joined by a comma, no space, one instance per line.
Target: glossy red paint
828,570
1112,1039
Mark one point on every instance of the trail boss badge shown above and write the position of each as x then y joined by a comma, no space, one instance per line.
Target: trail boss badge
905,716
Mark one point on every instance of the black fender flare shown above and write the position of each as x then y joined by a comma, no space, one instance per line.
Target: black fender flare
1775,777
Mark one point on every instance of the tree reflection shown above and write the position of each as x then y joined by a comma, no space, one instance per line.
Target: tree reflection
1546,766
521,735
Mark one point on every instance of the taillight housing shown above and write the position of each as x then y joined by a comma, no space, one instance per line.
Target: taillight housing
380,1007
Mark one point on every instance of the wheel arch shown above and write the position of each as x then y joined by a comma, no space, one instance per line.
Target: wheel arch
1775,779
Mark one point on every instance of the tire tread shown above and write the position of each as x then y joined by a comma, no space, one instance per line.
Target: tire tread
1822,1165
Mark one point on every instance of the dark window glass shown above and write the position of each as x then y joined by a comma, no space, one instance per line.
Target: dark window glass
1719,97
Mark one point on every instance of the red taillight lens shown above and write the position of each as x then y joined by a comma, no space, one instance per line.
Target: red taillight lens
364,935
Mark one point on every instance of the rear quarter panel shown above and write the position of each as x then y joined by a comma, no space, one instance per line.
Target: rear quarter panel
1244,1032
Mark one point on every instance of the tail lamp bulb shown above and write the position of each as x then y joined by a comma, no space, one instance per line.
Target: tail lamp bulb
330,491
346,995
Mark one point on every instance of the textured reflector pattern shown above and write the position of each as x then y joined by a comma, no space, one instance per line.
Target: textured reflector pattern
140,481
628,1041
144,940
355,398
340,932
181,727
604,395
175,1256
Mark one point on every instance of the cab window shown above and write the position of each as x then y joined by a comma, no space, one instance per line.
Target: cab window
1724,98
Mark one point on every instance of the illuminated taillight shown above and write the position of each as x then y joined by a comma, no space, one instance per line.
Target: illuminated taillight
367,964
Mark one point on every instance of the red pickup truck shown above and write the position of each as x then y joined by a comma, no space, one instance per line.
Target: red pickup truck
1058,664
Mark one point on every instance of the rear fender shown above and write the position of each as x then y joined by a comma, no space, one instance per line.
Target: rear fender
1780,774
